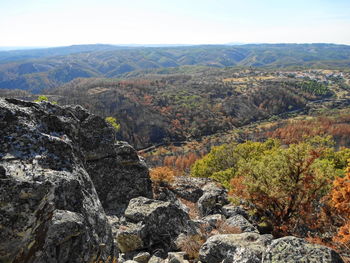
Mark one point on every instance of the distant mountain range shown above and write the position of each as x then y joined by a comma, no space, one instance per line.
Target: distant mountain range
37,69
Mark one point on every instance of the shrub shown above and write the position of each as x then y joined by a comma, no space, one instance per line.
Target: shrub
44,98
340,200
283,184
41,98
192,243
113,121
162,175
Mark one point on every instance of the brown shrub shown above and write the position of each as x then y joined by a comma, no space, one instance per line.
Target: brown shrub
191,245
109,260
193,208
223,228
340,201
162,174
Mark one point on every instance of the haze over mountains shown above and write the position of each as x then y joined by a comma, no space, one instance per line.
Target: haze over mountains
38,69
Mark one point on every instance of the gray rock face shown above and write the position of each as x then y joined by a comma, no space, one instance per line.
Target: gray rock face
124,167
213,220
232,210
292,249
49,208
169,196
189,188
130,237
220,247
156,223
212,200
241,223
242,255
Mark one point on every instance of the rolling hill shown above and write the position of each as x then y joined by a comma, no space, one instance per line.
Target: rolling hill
49,68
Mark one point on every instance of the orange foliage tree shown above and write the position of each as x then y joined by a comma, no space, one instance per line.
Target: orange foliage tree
162,175
296,130
340,200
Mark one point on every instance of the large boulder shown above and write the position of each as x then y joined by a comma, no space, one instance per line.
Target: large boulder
114,167
50,210
292,249
220,247
119,177
189,188
213,199
152,224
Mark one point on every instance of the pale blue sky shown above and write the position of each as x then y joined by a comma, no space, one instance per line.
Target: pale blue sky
67,22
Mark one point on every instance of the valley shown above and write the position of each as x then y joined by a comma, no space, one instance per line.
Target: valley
202,118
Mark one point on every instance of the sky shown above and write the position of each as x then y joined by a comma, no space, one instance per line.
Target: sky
69,22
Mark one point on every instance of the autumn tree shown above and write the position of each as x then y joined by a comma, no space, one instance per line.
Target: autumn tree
223,162
340,200
284,184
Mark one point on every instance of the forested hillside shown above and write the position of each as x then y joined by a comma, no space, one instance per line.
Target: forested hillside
160,108
48,68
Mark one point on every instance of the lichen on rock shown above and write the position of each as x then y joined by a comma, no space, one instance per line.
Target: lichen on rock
51,204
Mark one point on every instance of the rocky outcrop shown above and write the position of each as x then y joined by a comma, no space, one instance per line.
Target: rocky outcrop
213,199
189,188
152,224
119,177
224,247
57,165
292,249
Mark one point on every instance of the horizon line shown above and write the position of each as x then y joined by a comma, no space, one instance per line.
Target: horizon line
29,47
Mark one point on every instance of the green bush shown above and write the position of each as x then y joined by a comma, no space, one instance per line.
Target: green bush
44,98
113,121
282,182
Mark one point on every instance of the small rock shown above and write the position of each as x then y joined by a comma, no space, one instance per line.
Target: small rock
177,257
213,220
129,238
232,210
142,257
155,259
241,223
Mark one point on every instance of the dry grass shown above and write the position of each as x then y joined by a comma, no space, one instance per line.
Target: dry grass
223,228
193,208
108,260
191,244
